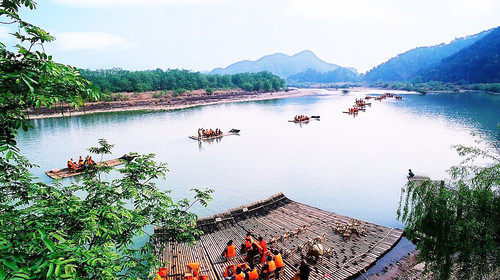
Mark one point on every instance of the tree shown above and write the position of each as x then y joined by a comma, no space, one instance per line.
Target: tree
456,224
47,231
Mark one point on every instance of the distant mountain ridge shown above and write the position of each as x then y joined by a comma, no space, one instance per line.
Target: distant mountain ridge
477,63
281,65
405,66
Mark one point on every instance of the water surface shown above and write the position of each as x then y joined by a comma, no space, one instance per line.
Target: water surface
353,166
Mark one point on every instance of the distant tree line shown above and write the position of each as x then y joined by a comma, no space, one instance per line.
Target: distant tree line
338,75
119,80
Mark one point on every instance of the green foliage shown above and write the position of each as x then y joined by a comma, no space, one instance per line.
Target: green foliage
118,80
477,63
160,94
80,231
455,224
336,76
209,91
405,66
178,91
50,231
485,87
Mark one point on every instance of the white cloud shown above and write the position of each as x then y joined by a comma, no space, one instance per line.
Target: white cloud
4,32
338,10
135,3
70,41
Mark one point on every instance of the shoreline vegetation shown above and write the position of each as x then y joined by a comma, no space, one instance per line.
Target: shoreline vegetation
162,101
173,100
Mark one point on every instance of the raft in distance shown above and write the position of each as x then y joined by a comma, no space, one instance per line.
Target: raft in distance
66,172
230,132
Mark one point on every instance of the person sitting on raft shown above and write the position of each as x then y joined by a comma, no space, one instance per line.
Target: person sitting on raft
254,251
230,250
80,162
410,174
238,275
89,161
72,165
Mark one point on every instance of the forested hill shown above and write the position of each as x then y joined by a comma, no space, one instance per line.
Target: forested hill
118,80
280,64
338,75
404,66
477,63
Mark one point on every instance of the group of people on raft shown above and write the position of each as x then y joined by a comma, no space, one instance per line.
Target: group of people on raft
255,252
272,262
353,110
81,164
300,118
361,102
209,132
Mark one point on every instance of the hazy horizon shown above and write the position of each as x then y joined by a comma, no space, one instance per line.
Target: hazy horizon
202,35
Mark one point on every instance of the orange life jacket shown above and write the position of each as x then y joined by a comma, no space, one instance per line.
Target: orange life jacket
253,275
231,251
162,271
263,245
278,260
195,267
243,266
240,276
272,266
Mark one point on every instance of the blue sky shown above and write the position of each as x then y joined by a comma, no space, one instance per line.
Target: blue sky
204,34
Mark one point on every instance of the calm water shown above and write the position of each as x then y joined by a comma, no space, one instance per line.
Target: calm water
351,166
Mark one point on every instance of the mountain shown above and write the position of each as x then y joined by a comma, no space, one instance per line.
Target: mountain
477,63
404,66
338,75
280,64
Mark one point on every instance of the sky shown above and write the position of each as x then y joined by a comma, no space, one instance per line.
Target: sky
200,35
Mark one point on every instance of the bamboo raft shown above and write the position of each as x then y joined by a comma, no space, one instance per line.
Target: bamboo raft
286,226
65,172
214,137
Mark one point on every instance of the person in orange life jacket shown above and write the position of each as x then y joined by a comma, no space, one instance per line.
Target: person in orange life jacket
238,275
230,250
230,269
80,162
194,268
267,268
244,267
263,249
252,274
278,260
249,240
252,253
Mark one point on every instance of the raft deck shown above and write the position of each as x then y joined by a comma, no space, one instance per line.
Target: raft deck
65,172
286,226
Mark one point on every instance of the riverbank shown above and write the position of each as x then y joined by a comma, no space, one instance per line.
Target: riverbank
153,101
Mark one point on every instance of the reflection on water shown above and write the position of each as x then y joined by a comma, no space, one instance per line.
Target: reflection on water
351,166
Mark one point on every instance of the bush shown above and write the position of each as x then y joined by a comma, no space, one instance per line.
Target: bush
179,91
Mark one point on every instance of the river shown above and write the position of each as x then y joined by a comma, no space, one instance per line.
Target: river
354,166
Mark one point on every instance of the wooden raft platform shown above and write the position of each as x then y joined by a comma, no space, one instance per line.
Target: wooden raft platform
295,224
65,172
213,137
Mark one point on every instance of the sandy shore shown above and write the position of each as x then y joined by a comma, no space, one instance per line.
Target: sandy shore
146,102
